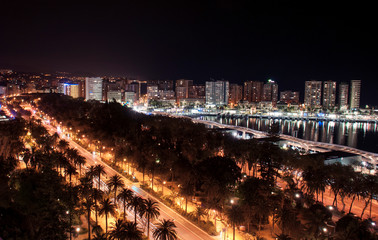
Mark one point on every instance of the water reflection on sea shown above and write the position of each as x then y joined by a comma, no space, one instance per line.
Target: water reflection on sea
363,136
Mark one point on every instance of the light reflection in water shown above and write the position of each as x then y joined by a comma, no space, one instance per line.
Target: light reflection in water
359,135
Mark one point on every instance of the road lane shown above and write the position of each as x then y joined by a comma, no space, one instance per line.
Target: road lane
185,229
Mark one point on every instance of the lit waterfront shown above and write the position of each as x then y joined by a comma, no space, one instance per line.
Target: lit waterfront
362,136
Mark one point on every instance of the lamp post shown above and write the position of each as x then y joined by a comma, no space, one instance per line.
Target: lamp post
162,187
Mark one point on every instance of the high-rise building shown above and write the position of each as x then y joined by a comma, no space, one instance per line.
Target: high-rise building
152,92
253,91
289,97
236,93
343,96
93,89
182,88
72,89
313,94
162,84
130,98
355,91
114,95
67,87
329,94
197,91
270,92
217,92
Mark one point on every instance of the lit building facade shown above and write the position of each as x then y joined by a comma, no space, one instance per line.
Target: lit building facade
197,92
152,92
93,89
270,92
130,98
329,94
236,93
114,95
343,96
217,92
182,88
313,94
253,91
355,91
289,97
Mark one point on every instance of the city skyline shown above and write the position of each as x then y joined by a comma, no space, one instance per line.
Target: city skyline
215,39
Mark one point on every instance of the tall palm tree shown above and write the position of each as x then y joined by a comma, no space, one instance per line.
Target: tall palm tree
97,195
85,187
79,160
99,170
54,138
165,230
87,205
125,196
107,207
115,182
136,203
70,170
151,211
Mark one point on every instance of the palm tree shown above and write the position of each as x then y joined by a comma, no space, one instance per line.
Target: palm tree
125,196
115,182
100,236
63,145
55,138
165,230
97,195
151,211
132,232
198,213
97,229
118,229
136,203
106,208
70,170
98,170
87,204
85,187
79,160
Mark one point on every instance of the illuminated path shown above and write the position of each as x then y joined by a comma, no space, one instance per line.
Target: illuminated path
185,229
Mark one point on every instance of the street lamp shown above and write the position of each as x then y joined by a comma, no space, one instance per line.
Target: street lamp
162,189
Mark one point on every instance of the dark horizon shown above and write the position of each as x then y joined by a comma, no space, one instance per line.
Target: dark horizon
198,41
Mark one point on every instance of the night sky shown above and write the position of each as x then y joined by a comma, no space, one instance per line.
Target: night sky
185,39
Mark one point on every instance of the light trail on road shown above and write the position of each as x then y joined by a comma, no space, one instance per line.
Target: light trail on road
185,229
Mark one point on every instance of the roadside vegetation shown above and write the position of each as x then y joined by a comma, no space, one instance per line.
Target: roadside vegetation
242,182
